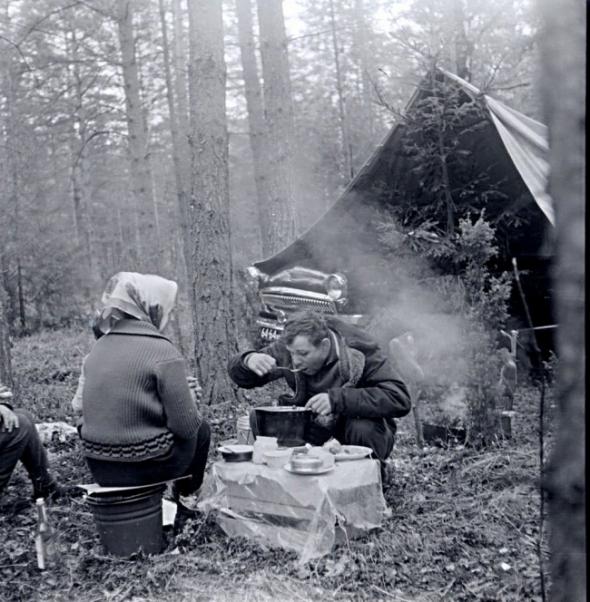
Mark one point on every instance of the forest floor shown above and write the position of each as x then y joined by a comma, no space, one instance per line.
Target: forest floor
464,524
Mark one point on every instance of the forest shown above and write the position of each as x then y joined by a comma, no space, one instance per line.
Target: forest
193,138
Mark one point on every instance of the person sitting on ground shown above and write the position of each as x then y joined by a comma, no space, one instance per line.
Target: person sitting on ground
140,424
341,375
19,440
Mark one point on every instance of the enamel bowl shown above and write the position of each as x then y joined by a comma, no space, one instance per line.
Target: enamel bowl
236,453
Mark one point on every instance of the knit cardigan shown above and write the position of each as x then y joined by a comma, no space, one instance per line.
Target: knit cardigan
136,398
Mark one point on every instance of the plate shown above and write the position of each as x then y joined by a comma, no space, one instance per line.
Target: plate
353,452
308,471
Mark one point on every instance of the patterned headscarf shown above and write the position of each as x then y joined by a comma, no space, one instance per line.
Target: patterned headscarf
146,297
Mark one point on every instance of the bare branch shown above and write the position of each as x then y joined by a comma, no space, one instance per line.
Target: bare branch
35,25
93,135
17,47
512,87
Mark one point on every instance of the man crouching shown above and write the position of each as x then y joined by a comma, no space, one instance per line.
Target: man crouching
337,371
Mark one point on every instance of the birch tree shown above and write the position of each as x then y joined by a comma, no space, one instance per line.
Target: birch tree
210,270
564,88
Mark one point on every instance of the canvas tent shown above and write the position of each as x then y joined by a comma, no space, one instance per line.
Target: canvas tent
525,141
510,148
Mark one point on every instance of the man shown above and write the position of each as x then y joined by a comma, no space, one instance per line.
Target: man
19,440
340,374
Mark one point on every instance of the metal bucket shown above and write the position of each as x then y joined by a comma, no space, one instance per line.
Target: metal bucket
129,523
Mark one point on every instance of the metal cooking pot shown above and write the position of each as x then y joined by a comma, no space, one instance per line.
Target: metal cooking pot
287,423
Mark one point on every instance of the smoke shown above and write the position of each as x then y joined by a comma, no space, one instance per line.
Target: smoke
393,285
439,337
397,289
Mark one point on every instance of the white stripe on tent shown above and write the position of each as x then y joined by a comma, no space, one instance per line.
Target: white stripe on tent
526,142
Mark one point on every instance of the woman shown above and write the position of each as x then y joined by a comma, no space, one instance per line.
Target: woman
140,422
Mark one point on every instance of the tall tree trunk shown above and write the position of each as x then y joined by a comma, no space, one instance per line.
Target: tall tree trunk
445,180
21,295
180,157
179,143
256,124
5,360
279,121
564,88
79,172
157,257
211,267
180,74
136,126
13,242
124,254
346,146
362,42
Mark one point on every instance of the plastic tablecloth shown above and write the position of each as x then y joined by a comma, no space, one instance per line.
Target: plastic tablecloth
303,513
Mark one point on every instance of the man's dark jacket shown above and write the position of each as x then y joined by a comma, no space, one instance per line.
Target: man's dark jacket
379,393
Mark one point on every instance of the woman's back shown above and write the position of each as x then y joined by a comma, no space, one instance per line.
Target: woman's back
135,392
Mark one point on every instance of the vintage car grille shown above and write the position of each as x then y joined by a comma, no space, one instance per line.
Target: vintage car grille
269,334
285,299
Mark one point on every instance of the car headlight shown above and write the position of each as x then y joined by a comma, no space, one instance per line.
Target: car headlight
336,287
255,274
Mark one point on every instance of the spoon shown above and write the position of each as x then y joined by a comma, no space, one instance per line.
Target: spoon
281,369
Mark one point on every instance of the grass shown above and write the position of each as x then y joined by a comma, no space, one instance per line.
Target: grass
464,524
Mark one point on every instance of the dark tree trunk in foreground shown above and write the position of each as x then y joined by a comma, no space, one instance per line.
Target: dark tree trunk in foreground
278,112
210,271
564,86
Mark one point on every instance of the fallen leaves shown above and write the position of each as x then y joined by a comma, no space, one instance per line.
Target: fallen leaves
464,526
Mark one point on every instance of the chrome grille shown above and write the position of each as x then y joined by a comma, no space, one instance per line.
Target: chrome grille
294,302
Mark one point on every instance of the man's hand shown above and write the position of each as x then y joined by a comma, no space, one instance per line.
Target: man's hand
320,404
8,419
260,363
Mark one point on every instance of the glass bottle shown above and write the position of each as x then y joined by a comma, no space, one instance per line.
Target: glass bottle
44,536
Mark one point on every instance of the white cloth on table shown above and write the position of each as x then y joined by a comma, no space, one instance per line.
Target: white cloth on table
303,513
